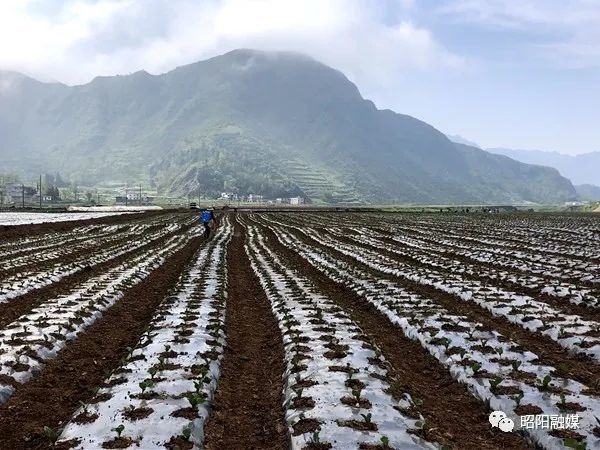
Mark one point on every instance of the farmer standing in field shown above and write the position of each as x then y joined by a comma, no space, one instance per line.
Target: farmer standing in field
207,217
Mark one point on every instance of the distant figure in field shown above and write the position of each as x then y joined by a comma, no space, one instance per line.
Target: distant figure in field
207,217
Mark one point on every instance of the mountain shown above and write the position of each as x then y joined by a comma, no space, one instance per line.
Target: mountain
461,140
588,192
271,123
580,169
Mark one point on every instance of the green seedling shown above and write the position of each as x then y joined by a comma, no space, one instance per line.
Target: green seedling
367,417
494,382
475,367
315,438
52,434
145,385
421,424
518,397
575,444
515,365
561,332
543,385
195,400
186,432
385,441
153,371
356,391
119,430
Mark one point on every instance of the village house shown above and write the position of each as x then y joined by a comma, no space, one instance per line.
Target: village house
18,194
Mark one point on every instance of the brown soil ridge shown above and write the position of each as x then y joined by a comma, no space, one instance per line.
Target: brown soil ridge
578,367
562,305
76,247
51,397
9,232
248,408
453,415
76,253
16,307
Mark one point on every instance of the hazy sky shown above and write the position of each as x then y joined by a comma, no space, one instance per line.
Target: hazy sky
512,73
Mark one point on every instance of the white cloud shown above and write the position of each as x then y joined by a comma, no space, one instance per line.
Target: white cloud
570,28
83,39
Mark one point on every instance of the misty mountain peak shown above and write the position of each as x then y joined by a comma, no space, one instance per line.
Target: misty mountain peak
274,123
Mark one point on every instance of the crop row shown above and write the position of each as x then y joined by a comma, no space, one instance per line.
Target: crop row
161,394
24,282
39,335
101,240
569,330
526,241
494,368
336,392
553,281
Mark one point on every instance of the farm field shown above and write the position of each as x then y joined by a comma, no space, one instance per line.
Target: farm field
301,330
23,218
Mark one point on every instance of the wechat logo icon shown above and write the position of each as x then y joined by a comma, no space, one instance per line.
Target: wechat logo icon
498,419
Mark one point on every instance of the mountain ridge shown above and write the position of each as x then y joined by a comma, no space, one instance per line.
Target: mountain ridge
580,168
274,123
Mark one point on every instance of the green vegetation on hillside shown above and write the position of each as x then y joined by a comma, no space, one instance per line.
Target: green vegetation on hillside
276,124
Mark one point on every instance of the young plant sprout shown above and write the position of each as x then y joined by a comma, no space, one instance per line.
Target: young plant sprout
195,400
495,382
145,385
186,432
475,367
52,434
575,444
153,371
119,430
356,392
545,383
518,397
315,438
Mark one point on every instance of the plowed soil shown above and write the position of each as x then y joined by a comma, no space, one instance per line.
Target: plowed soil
50,398
248,408
454,416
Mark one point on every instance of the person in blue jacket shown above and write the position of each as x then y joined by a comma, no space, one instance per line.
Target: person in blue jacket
207,217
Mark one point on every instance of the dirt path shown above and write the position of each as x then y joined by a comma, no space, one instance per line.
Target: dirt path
248,408
453,415
52,397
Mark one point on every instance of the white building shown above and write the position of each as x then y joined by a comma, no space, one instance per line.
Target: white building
255,198
296,200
